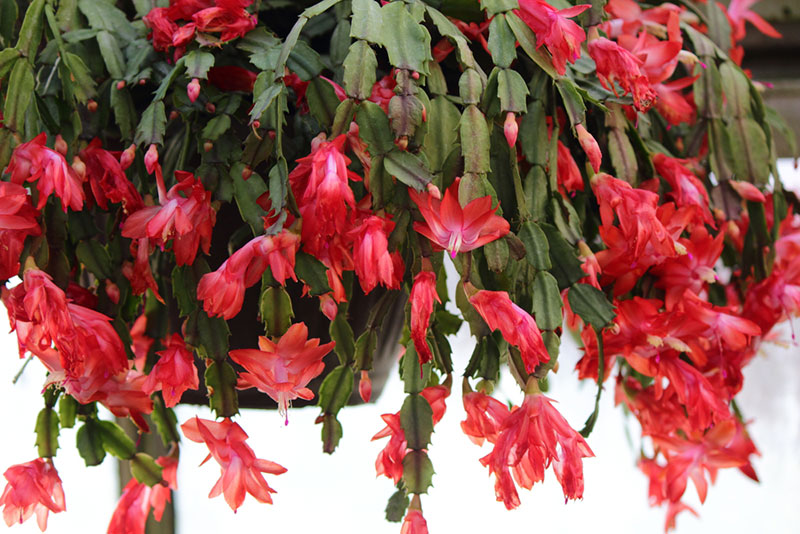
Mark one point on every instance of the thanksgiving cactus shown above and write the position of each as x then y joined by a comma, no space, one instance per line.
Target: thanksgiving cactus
606,168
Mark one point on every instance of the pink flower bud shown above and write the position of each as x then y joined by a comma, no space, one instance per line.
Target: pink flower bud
510,129
193,89
112,290
79,167
247,172
151,158
207,146
91,105
61,145
365,386
434,191
590,146
127,157
121,85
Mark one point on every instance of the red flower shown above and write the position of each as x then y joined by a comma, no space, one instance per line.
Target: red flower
390,460
423,293
516,325
373,262
173,373
553,29
283,369
590,147
130,515
532,438
739,12
485,417
34,161
569,176
414,523
687,189
17,222
186,220
241,470
107,179
228,17
222,291
617,65
457,229
32,487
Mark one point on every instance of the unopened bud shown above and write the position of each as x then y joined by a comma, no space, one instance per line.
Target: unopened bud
247,172
510,129
142,81
61,145
433,191
210,108
79,167
402,142
328,306
112,290
424,114
365,386
121,85
127,157
151,158
256,124
207,146
415,75
271,134
173,115
193,89
590,146
91,105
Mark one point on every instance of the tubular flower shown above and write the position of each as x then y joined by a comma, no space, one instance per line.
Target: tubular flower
222,291
516,325
569,176
34,161
107,179
414,523
533,437
241,470
423,293
173,373
186,220
485,416
617,65
283,369
373,262
17,221
457,229
130,515
33,487
590,147
552,27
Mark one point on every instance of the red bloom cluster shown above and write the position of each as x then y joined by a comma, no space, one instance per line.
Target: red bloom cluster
527,440
130,515
173,373
241,471
552,27
17,222
184,20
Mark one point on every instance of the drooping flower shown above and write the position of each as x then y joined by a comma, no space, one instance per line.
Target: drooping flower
485,417
454,228
33,487
687,189
590,147
133,507
222,291
173,373
615,65
552,27
414,522
17,222
185,215
107,179
423,293
516,325
569,176
373,262
532,438
283,369
35,162
241,471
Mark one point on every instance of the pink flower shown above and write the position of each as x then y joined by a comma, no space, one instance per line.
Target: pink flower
516,325
222,291
32,487
510,129
184,216
34,161
373,262
485,416
414,523
615,64
17,222
173,373
130,515
423,293
241,471
553,29
532,438
283,369
457,229
193,89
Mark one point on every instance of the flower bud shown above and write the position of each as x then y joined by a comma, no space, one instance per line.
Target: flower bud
112,290
127,157
210,108
91,105
151,158
60,145
120,85
365,386
590,147
247,172
193,89
79,167
434,191
510,129
207,146
173,115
